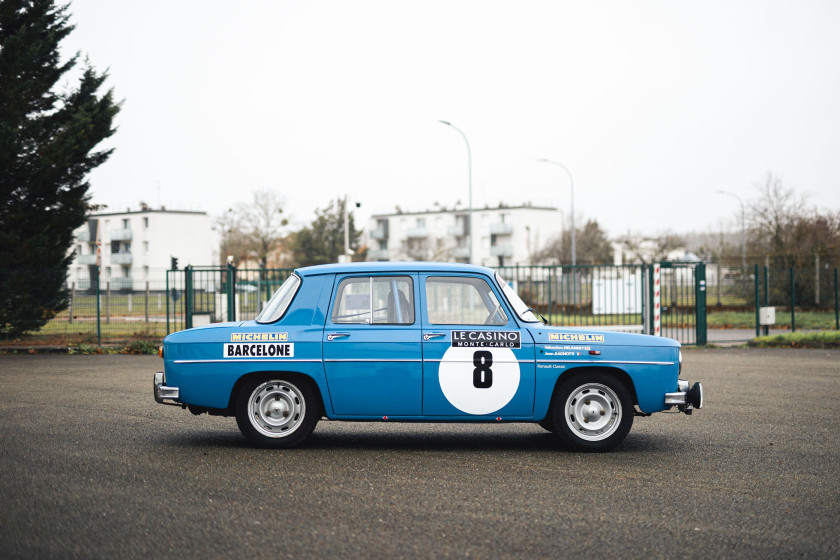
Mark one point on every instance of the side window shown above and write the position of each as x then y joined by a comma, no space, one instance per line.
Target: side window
378,300
454,300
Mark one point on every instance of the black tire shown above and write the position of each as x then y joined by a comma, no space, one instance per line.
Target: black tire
278,411
592,411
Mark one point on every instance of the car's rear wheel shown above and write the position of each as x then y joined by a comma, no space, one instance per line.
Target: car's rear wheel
593,411
277,412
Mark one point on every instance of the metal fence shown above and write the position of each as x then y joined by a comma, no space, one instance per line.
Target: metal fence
694,303
113,310
803,297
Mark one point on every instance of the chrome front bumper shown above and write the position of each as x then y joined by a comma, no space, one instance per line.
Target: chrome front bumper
687,398
162,392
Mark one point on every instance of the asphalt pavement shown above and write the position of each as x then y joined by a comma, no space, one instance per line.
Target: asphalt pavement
92,467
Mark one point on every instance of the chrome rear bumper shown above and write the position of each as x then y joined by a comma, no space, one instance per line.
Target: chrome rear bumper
162,392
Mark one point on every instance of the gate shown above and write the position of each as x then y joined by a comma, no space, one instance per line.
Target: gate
665,299
199,295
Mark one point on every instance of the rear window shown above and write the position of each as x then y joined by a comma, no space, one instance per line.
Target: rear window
280,301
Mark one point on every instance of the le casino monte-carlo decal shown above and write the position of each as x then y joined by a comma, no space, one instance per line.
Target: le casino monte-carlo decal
259,345
479,373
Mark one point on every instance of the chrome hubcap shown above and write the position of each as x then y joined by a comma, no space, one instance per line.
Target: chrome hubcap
276,408
593,411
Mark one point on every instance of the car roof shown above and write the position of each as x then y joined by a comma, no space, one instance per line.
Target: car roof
391,266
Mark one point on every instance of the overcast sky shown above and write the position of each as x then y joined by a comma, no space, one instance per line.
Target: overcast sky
652,105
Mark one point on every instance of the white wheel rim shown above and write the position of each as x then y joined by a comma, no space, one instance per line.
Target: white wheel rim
593,412
276,408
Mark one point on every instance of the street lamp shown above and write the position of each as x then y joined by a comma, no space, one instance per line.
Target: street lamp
743,228
469,169
346,257
572,185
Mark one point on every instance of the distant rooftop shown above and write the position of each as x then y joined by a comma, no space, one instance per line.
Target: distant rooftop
148,209
460,209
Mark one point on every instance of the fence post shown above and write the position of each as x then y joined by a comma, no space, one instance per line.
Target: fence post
147,302
792,301
757,305
108,302
188,296
231,292
702,333
549,294
816,281
836,302
98,310
72,300
766,296
167,302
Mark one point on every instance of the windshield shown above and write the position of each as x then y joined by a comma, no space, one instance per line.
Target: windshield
280,301
519,306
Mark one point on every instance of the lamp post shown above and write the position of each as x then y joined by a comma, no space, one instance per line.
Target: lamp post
743,228
469,170
572,185
346,257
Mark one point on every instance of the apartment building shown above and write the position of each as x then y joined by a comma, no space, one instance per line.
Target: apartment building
137,246
501,236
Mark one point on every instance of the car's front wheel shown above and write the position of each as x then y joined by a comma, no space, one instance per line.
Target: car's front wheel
277,412
593,411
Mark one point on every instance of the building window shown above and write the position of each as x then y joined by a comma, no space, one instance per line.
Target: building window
125,223
145,222
146,247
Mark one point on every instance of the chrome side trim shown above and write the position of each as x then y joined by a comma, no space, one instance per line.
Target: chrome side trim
436,360
604,362
223,360
332,360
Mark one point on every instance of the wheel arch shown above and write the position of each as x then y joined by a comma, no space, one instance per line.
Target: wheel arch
618,373
293,376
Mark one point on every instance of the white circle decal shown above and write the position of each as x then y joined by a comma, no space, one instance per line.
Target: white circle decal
478,380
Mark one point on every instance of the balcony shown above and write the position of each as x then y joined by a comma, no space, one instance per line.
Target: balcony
85,259
501,229
84,237
120,235
121,258
458,230
417,232
461,252
378,254
378,233
501,251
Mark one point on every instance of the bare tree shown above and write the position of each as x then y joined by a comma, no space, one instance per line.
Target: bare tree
649,249
774,215
255,228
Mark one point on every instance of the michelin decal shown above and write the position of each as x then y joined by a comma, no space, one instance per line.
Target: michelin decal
259,345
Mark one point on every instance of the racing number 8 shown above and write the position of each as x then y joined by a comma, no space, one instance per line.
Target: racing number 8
482,374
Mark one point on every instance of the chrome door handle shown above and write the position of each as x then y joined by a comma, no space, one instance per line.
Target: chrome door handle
333,336
430,335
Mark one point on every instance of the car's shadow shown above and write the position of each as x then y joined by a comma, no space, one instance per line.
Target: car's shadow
427,439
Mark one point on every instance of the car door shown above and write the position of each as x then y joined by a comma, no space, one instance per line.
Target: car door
372,352
477,360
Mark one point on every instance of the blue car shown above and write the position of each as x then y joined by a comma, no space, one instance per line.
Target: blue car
429,342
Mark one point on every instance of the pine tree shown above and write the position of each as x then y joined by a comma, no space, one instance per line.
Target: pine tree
47,148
